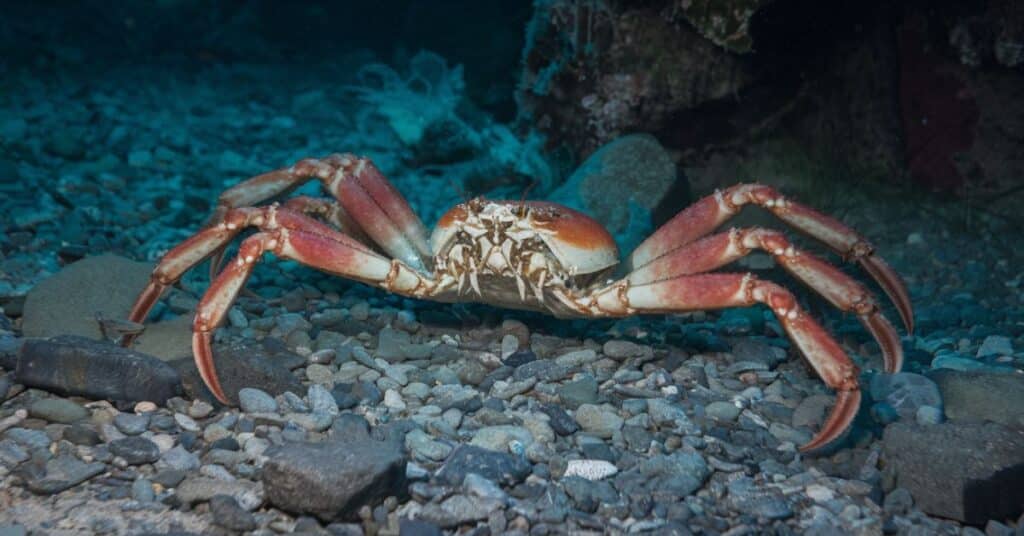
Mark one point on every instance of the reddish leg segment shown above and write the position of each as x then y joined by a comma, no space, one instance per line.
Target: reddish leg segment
287,234
717,250
369,199
704,216
716,291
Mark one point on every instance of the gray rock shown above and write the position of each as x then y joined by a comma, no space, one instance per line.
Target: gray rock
64,472
905,391
168,339
652,175
11,453
494,466
195,489
422,446
588,494
321,400
142,490
479,486
459,509
33,439
264,365
811,411
598,420
362,472
253,400
666,413
621,350
498,437
67,303
676,475
560,421
135,450
456,396
769,504
131,424
964,471
995,345
229,515
178,458
57,410
722,411
73,365
577,392
545,370
982,396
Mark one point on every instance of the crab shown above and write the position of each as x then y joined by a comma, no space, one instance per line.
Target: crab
539,256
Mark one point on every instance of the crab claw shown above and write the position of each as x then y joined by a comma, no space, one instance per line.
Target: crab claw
847,405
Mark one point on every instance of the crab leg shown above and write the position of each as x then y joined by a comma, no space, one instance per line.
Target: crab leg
841,290
363,192
716,291
704,216
294,236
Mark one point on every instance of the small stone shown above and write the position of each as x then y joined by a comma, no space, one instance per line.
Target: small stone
479,486
64,472
321,400
256,401
577,392
620,350
131,424
499,437
135,450
722,411
393,400
195,489
200,409
995,345
495,466
422,446
181,459
590,469
928,415
229,515
142,490
186,422
598,420
144,407
57,410
320,374
819,493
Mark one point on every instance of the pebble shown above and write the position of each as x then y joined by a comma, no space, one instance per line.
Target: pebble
131,424
186,423
57,410
598,420
590,469
256,401
393,400
722,411
135,450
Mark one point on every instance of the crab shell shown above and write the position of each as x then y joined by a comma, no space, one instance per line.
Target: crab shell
578,242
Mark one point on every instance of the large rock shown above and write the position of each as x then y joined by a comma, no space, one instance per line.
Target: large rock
982,396
74,365
333,478
964,471
68,302
620,185
264,365
168,339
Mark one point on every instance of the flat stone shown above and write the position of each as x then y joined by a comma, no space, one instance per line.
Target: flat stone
254,400
722,411
590,469
135,450
496,466
194,489
73,365
982,396
363,471
64,472
459,509
905,392
265,365
57,410
577,392
963,471
498,437
598,420
67,303
228,514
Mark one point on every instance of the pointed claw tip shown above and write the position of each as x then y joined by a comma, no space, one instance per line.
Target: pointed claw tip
888,340
838,422
203,355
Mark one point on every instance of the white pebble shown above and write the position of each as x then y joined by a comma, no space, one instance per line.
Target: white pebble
393,400
591,469
145,407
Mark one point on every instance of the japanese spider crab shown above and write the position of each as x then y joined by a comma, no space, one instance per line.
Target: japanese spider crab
539,256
